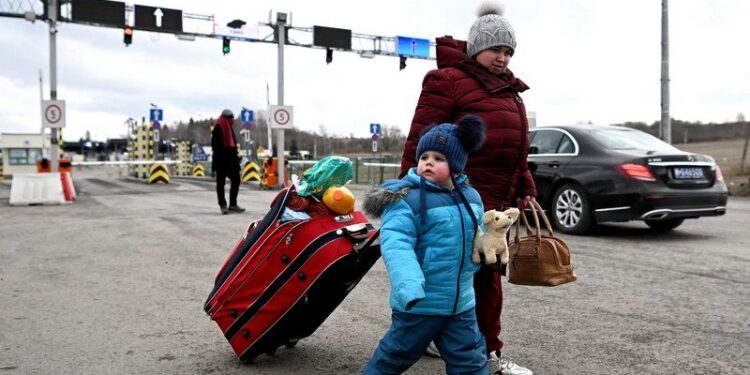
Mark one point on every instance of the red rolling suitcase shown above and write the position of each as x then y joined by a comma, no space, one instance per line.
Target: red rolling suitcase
282,280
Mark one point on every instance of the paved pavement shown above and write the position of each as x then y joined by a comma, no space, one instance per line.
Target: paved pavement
115,284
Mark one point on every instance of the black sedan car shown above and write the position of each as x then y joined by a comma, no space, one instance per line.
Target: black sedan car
589,174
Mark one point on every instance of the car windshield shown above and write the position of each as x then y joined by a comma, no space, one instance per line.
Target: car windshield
625,139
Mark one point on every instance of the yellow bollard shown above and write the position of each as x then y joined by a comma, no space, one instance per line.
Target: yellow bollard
251,172
198,171
158,173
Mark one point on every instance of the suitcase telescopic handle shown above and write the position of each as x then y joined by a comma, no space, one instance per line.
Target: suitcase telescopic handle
361,246
360,236
356,233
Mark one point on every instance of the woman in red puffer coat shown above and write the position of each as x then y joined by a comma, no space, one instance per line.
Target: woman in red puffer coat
473,78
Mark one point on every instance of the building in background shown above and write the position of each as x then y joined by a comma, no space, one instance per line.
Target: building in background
21,151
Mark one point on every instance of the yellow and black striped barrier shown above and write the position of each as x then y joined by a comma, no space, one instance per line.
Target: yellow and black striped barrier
158,173
198,171
251,172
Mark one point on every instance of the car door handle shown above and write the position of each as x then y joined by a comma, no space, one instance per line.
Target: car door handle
553,164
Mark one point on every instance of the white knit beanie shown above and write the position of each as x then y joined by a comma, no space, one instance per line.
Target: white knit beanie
490,30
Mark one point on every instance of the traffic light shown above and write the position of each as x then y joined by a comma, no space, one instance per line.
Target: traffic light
329,55
225,48
127,35
402,63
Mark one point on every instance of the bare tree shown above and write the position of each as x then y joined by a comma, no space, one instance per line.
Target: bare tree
392,139
326,141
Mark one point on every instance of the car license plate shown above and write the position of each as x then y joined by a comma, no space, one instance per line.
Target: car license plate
688,173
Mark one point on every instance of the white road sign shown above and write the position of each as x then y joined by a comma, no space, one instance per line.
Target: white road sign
158,14
53,113
282,116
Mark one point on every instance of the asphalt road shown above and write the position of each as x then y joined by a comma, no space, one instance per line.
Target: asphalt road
114,284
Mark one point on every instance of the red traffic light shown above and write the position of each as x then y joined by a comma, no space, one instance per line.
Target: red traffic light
127,35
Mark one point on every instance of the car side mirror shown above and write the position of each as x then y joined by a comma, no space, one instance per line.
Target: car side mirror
533,150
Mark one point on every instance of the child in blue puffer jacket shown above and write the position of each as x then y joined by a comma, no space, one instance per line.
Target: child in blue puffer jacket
429,218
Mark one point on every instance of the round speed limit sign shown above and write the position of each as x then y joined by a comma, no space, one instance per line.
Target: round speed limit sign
54,113
281,116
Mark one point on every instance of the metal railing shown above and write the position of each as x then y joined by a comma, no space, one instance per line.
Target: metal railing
366,170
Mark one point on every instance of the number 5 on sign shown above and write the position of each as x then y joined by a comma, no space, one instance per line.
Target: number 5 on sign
53,113
281,116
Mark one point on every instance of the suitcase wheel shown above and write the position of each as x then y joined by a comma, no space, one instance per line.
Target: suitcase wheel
291,343
248,359
272,351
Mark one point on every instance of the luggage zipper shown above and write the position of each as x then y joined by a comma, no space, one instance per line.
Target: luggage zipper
280,281
286,236
227,295
277,205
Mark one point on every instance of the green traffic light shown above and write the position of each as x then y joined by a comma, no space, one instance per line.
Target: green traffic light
225,48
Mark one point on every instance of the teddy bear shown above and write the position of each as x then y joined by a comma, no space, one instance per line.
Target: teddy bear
493,242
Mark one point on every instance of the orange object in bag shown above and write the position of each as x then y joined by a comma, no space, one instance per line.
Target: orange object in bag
339,199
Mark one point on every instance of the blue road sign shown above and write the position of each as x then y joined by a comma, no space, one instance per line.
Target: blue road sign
157,114
157,125
247,115
199,154
412,47
374,128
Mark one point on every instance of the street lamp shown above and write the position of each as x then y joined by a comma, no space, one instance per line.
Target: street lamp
129,123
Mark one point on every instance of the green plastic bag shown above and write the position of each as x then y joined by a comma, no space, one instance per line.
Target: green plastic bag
327,172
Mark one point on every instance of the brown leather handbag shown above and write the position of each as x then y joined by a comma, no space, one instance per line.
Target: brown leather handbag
539,259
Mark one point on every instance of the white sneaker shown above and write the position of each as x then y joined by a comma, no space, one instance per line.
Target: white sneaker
432,351
504,366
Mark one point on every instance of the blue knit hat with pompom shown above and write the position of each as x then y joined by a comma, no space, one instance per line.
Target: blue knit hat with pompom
454,141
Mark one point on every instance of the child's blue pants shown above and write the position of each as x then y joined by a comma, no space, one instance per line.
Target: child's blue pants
457,338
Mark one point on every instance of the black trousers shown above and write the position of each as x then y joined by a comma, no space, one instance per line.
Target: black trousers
234,189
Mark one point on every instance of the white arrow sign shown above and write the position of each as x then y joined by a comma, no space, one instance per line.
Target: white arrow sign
158,14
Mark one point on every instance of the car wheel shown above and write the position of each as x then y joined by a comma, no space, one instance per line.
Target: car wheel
571,212
664,225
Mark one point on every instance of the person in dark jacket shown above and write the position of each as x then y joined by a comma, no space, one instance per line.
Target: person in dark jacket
429,220
473,78
226,161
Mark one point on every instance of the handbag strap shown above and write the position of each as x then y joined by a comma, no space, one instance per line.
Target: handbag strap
529,231
544,217
536,211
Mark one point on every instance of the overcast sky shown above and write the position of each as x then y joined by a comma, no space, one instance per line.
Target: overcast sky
585,60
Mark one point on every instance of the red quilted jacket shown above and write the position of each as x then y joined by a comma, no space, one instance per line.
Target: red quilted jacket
460,86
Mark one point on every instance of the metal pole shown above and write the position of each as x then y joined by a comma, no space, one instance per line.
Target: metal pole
280,23
41,113
666,121
41,100
268,119
52,13
744,149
